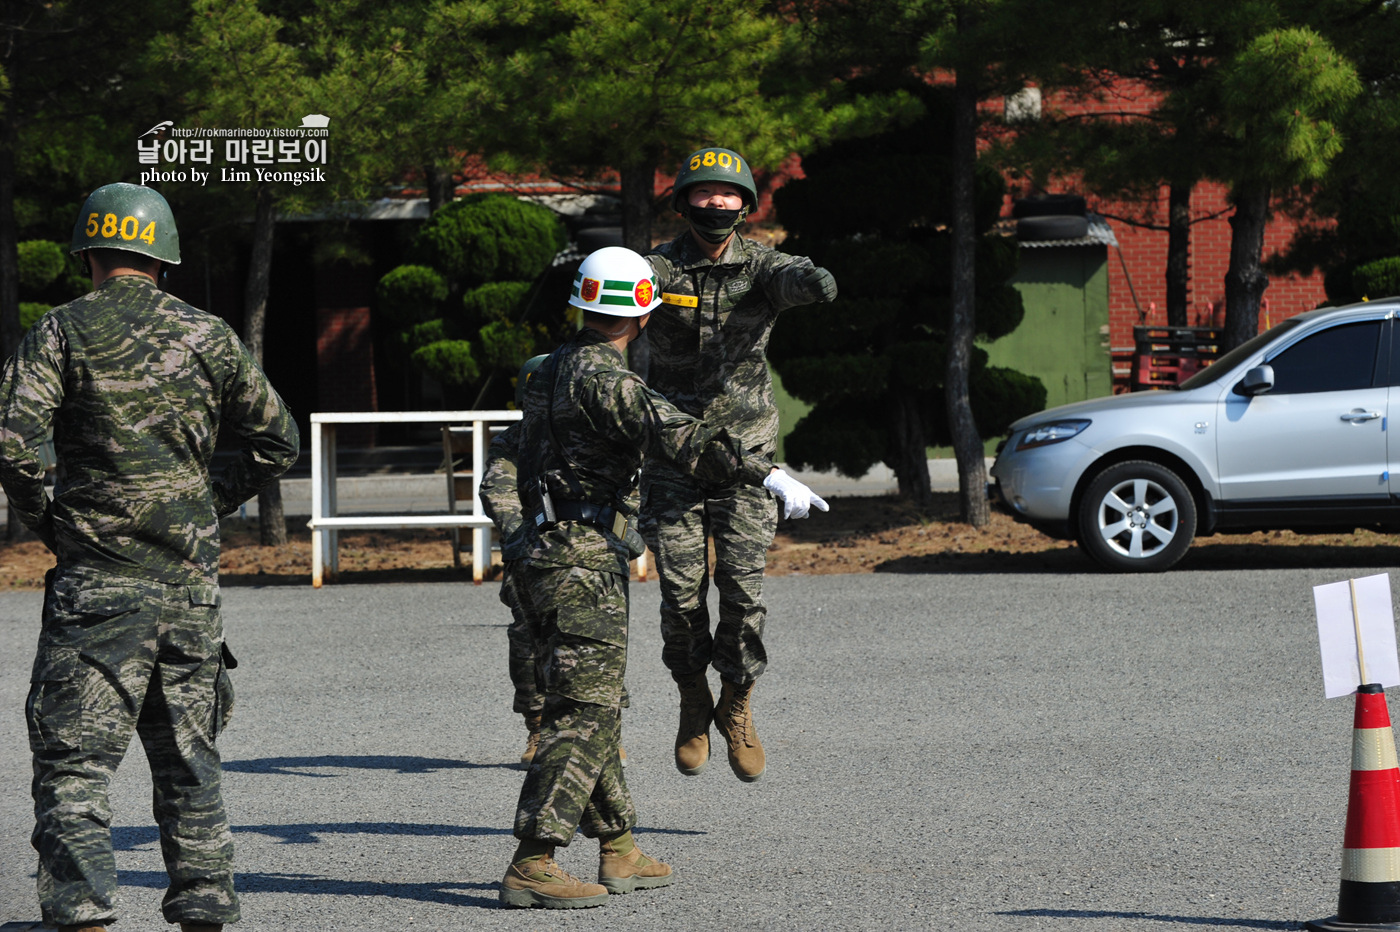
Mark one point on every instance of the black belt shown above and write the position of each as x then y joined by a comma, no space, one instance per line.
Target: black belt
604,516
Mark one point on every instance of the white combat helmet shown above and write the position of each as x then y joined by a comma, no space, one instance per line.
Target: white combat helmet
616,281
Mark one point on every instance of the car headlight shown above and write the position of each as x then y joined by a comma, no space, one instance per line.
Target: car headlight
1054,432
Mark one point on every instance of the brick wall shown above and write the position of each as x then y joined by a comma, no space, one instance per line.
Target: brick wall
345,351
1144,253
1139,294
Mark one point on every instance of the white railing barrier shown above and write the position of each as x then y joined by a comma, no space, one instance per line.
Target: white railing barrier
326,523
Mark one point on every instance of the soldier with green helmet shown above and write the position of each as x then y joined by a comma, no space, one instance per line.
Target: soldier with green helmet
587,422
721,295
134,386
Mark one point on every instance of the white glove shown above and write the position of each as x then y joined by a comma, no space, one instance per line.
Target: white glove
796,497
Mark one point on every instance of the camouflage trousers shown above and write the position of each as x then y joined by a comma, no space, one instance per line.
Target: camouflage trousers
119,655
677,519
575,781
520,638
525,652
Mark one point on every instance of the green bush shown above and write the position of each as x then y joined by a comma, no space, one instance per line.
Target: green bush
496,301
430,331
448,361
506,345
410,294
30,312
838,435
1379,278
831,376
490,237
41,262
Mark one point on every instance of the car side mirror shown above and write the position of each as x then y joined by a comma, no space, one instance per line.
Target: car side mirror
1256,381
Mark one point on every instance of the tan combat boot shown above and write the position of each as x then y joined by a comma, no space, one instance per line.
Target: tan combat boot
532,741
693,736
623,868
86,928
734,719
542,882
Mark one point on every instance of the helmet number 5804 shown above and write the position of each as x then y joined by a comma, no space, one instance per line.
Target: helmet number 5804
128,227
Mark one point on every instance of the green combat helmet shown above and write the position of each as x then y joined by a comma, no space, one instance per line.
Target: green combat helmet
523,380
131,217
715,165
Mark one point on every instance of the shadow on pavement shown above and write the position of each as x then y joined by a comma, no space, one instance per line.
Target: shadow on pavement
297,766
447,892
303,578
1212,921
129,838
1202,556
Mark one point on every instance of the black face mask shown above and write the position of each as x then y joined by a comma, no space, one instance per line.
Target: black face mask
714,224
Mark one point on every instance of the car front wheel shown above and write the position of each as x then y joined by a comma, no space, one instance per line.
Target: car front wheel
1136,517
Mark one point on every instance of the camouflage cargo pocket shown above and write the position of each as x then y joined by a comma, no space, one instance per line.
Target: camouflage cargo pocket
54,709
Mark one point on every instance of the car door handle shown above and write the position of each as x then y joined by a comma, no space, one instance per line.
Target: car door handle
1360,415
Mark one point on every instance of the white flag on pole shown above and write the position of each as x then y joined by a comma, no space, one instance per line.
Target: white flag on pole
1341,618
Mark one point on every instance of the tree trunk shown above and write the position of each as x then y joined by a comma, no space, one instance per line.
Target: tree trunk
638,185
910,448
9,278
967,443
1245,280
1178,253
272,522
440,187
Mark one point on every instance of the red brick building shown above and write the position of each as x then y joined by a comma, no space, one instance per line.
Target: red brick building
1137,266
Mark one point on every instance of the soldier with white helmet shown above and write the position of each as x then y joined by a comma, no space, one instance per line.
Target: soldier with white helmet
587,422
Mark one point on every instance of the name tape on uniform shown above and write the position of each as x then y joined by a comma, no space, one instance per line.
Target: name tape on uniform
681,300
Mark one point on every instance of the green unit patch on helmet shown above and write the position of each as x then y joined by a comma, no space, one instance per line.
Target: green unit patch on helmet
714,165
130,217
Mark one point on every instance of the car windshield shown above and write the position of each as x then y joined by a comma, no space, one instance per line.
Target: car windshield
1218,369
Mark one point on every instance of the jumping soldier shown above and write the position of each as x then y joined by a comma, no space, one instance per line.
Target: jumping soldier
134,385
721,295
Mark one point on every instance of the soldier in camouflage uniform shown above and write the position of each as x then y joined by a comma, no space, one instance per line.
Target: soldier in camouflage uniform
134,385
587,422
501,503
721,295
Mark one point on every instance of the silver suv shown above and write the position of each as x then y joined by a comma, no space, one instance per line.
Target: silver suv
1288,430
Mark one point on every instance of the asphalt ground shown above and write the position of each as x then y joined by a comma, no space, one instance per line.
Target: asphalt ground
958,751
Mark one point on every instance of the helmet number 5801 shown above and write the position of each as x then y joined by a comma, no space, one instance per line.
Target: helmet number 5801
710,158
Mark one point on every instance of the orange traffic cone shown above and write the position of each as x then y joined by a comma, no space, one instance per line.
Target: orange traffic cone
1370,897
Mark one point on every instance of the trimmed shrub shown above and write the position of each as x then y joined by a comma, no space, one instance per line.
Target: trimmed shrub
29,313
496,301
410,294
41,262
1379,278
448,361
490,237
505,344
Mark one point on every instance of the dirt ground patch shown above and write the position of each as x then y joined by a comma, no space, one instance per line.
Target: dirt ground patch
861,534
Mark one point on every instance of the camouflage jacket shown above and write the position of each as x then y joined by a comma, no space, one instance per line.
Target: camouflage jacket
134,385
604,418
499,492
709,337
